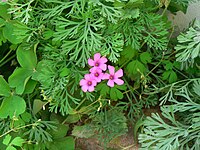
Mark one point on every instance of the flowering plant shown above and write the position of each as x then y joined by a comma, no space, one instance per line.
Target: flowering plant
54,91
96,74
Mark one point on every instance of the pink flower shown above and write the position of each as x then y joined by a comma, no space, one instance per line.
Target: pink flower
113,77
88,83
97,74
98,62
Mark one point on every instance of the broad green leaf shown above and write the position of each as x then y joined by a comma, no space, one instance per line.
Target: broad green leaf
10,148
172,77
64,72
26,58
4,11
67,143
4,87
145,57
26,117
169,75
8,33
19,79
135,67
18,141
103,88
60,132
2,22
115,94
84,131
37,105
73,118
30,86
12,106
7,139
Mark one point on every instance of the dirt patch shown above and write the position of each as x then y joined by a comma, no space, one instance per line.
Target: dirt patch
124,142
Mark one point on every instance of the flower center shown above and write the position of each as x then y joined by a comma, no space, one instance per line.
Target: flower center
89,83
111,77
96,64
96,74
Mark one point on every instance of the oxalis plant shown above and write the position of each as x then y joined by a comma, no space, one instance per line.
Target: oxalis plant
73,69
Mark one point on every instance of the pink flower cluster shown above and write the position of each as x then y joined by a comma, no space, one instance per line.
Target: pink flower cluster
97,75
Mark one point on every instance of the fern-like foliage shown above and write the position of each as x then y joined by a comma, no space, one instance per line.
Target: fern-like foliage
188,47
178,126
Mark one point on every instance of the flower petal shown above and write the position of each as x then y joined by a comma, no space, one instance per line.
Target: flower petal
105,76
87,77
90,62
119,81
119,73
111,70
84,88
103,60
103,67
110,83
94,82
83,82
97,56
91,88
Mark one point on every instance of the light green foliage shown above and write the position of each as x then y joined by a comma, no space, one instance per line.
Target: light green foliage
4,88
188,47
17,141
10,107
176,127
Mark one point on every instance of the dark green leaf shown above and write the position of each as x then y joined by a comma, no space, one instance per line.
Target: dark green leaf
37,105
145,57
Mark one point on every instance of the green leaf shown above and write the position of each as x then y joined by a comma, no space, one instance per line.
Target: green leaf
19,79
37,105
2,22
115,94
30,86
26,58
135,66
18,141
169,75
172,77
4,87
4,12
10,148
60,132
103,88
8,33
84,131
7,139
12,106
66,143
73,118
64,72
145,57
26,117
